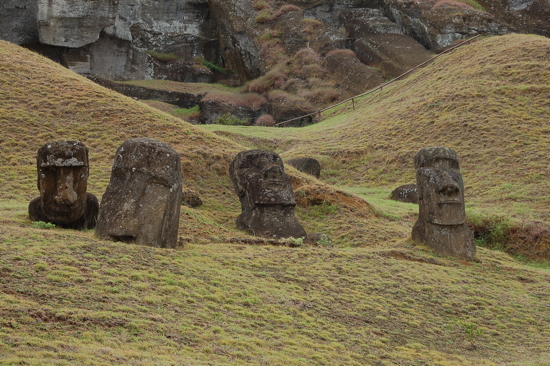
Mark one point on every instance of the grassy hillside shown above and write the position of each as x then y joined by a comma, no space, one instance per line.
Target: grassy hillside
489,101
67,298
41,101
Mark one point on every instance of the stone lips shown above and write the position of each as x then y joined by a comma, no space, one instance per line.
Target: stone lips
142,202
62,168
442,219
265,192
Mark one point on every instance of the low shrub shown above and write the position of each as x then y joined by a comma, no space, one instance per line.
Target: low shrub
529,239
230,120
213,67
265,120
42,225
262,4
306,56
258,85
264,16
286,9
311,24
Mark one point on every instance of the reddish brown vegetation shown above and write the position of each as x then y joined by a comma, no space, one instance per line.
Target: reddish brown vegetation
265,120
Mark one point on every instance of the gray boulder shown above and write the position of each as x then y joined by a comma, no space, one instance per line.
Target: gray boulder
307,165
405,193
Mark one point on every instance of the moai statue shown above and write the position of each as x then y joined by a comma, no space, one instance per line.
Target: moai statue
62,181
265,192
442,219
142,202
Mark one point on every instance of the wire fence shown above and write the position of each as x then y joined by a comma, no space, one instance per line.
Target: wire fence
352,99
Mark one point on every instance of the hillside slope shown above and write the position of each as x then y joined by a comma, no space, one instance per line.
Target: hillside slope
41,101
487,100
67,298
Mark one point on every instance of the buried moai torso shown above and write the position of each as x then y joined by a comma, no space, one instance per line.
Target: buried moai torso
442,218
142,202
405,193
307,165
62,181
266,195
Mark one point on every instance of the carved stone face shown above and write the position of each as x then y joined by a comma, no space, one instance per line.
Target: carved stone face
260,178
440,186
63,180
142,202
265,192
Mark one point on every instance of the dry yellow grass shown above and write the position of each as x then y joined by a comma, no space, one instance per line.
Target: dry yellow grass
68,298
489,101
42,101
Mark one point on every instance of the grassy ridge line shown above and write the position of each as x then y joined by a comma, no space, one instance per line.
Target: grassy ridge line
487,100
67,297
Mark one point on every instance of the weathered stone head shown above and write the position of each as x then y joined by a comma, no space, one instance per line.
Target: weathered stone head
62,181
405,193
440,186
266,195
142,202
307,165
442,218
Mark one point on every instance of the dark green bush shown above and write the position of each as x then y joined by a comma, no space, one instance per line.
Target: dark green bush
231,120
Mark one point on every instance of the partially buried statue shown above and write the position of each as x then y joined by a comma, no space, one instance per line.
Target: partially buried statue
62,181
142,202
442,219
266,195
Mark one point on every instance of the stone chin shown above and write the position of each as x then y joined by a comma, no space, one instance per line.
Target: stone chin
64,215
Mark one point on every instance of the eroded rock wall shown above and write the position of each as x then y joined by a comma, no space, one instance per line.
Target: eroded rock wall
18,21
116,35
74,23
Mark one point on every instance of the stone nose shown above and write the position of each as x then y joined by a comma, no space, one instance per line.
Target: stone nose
273,171
448,186
66,194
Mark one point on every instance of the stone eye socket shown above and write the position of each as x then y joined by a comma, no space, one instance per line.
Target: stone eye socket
157,180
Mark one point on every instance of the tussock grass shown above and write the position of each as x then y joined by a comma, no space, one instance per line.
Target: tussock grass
374,298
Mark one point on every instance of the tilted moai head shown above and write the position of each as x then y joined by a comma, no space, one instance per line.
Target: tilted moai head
441,221
62,181
266,195
440,186
142,202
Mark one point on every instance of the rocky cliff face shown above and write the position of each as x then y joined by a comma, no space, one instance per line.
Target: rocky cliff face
297,53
